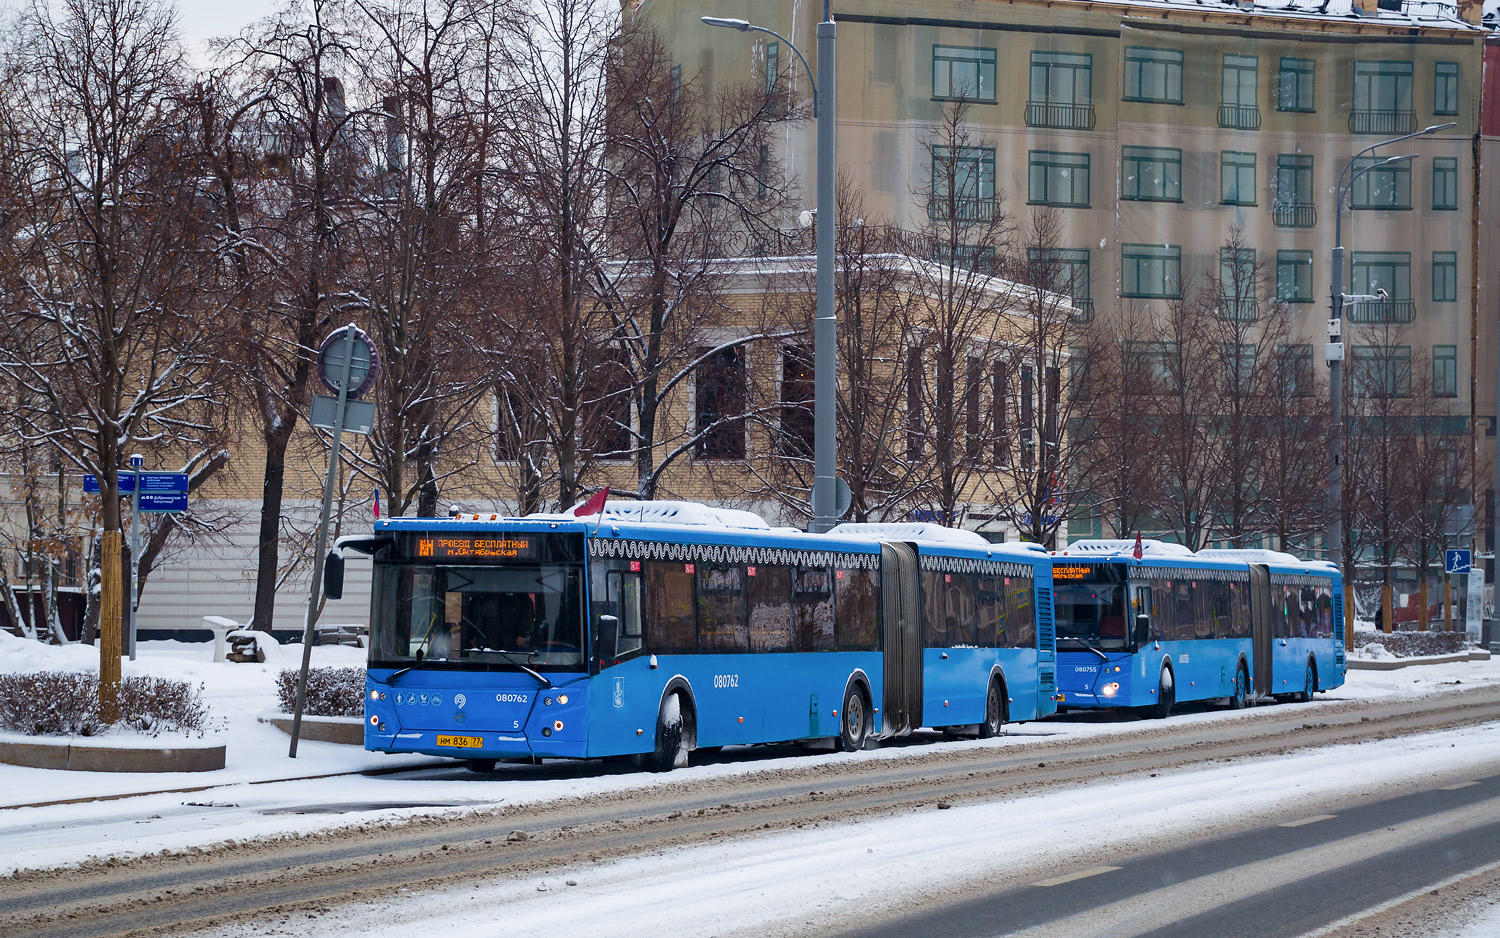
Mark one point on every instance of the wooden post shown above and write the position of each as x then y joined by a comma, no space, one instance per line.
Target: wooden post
1422,598
110,620
1447,602
1385,607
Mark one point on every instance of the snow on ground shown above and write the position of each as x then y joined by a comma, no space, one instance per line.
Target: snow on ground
801,881
246,800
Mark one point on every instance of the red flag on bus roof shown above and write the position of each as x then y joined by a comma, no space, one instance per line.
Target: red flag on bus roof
594,505
1137,551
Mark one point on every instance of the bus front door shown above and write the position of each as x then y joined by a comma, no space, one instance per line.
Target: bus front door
1260,627
901,639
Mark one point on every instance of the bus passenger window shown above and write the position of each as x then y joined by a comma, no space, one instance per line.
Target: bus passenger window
814,606
669,606
721,608
858,605
770,594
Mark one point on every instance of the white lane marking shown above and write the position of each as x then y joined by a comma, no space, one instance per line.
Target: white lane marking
1457,786
1071,877
1308,820
1389,904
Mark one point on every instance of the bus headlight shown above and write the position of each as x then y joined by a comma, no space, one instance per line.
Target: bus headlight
1110,689
562,698
374,694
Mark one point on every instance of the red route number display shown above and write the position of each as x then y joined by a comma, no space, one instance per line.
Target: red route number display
490,547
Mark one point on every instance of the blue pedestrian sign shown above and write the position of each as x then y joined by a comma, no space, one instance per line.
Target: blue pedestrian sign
1457,561
126,484
152,483
171,501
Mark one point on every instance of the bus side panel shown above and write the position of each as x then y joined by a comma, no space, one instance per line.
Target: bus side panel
1203,669
954,682
623,707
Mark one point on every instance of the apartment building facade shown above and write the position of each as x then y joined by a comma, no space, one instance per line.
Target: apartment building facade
1153,130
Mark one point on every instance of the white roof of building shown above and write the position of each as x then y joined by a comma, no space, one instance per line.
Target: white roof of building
1430,13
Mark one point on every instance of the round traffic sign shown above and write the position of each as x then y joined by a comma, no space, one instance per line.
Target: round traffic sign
351,344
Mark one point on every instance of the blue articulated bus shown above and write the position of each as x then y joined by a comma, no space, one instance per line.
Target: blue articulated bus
658,628
1174,625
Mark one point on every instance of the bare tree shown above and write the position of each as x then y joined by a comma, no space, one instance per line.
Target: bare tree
1185,382
1120,439
1295,460
1437,478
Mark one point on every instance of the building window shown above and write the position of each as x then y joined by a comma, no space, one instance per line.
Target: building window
1381,187
1153,75
1151,271
1293,204
1058,179
1294,369
960,73
1064,270
1294,276
1382,370
719,403
1236,178
1445,371
1153,361
964,256
1237,102
1382,99
1062,91
999,411
1382,271
1445,184
1237,287
963,183
1151,174
915,431
1445,276
1445,88
675,79
773,74
1294,85
796,437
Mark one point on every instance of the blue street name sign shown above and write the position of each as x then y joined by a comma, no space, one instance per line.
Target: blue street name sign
153,483
1457,561
171,501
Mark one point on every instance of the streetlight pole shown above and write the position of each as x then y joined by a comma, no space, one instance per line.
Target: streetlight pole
1335,491
825,327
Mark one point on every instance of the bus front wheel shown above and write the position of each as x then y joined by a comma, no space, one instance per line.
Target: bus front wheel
669,751
1166,696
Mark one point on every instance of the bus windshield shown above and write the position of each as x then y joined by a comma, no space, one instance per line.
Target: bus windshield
486,617
1090,602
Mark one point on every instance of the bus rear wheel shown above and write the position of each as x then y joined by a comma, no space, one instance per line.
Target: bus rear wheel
1309,683
854,720
1240,699
994,713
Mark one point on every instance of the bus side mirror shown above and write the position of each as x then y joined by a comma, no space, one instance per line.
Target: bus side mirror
608,637
333,575
1142,629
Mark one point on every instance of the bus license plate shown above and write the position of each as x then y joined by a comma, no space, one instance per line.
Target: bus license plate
461,742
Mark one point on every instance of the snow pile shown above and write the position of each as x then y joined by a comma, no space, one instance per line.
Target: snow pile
1374,651
1409,644
331,692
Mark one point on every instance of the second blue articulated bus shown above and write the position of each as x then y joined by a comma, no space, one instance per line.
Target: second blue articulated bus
663,627
1173,625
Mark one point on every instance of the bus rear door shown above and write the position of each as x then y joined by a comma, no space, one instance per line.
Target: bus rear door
1260,627
901,639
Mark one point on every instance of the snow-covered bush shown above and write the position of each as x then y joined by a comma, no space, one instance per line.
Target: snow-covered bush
51,703
1406,644
331,692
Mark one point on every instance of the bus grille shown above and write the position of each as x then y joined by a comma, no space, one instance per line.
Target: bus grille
1046,640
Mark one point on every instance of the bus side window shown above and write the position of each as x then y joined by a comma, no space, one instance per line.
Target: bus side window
620,638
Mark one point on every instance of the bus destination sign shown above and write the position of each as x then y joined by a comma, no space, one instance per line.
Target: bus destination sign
1072,571
487,547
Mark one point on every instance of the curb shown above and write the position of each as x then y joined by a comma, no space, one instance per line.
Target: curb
348,731
82,758
1359,665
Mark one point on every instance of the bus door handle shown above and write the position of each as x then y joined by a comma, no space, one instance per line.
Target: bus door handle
1283,642
945,656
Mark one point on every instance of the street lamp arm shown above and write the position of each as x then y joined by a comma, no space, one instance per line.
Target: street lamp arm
748,27
1425,131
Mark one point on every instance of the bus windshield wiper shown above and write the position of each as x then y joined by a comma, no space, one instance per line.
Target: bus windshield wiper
541,678
1086,644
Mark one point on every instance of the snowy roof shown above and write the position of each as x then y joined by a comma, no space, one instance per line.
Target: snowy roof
901,531
1149,548
1429,13
669,512
1248,555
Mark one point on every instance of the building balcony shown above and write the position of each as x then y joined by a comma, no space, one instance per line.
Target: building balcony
1239,116
1083,309
962,209
1060,116
1382,311
1384,122
1293,215
1242,309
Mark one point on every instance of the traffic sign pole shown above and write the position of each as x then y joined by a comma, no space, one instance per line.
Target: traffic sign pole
136,462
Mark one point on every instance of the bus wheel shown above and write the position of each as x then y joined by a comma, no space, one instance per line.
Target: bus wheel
480,765
854,722
1166,696
1240,699
668,751
1309,683
994,713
